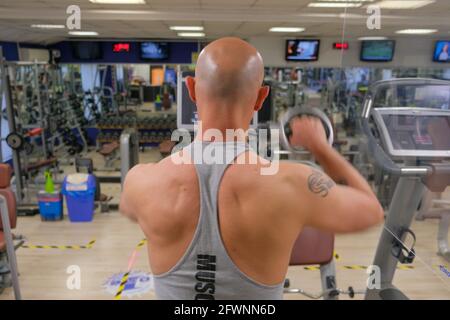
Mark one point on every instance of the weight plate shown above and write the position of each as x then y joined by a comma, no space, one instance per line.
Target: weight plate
15,141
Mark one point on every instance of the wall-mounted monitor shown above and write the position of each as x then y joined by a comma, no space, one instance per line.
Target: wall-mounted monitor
377,50
442,51
121,47
87,50
154,50
302,50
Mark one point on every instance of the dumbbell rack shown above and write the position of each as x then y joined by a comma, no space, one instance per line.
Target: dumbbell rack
34,88
21,189
30,99
68,138
151,130
54,110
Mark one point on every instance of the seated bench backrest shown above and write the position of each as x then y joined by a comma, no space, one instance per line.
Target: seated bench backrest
312,247
5,191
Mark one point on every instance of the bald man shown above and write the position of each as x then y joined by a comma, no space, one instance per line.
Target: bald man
224,230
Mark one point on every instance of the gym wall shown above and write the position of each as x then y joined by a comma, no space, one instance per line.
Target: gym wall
409,52
14,51
32,54
180,52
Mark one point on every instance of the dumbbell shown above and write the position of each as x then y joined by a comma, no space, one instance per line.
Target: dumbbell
153,137
69,140
160,137
60,122
75,149
100,136
173,124
159,124
146,137
128,122
162,124
116,136
114,122
107,136
103,122
152,123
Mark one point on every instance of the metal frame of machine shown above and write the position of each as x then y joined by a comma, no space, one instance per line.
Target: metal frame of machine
414,179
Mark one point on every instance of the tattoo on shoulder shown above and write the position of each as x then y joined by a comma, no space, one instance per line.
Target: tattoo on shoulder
319,183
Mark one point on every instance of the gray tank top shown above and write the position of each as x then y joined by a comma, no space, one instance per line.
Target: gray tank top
206,272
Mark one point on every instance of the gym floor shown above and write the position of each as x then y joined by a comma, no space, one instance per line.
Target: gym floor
43,272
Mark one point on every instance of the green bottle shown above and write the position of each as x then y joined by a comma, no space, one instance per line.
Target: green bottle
49,185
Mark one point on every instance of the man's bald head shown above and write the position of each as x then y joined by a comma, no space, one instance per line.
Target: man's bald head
227,87
229,70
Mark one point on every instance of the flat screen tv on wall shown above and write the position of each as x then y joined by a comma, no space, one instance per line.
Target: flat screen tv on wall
154,51
377,50
87,50
441,51
302,50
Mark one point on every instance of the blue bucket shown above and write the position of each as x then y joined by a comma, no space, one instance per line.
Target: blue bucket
50,206
80,199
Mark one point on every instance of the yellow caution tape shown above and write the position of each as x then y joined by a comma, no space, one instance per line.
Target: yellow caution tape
123,281
72,247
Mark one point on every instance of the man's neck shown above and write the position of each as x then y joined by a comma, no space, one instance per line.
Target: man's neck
222,132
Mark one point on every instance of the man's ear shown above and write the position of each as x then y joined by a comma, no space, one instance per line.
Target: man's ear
190,84
262,95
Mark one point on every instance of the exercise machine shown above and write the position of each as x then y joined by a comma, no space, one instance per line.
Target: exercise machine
407,137
8,261
433,206
129,151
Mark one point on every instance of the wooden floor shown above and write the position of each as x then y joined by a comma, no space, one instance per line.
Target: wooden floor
43,272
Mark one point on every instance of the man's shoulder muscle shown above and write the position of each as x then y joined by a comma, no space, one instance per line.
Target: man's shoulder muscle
140,175
289,180
293,174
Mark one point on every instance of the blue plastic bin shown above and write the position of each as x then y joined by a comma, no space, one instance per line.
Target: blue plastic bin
158,105
80,197
50,206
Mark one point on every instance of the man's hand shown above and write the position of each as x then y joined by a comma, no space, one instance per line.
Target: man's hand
308,132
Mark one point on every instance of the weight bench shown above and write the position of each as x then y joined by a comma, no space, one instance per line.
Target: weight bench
110,152
432,207
314,247
8,221
40,164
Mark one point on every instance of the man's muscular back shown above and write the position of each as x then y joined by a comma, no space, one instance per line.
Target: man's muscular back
256,232
260,216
